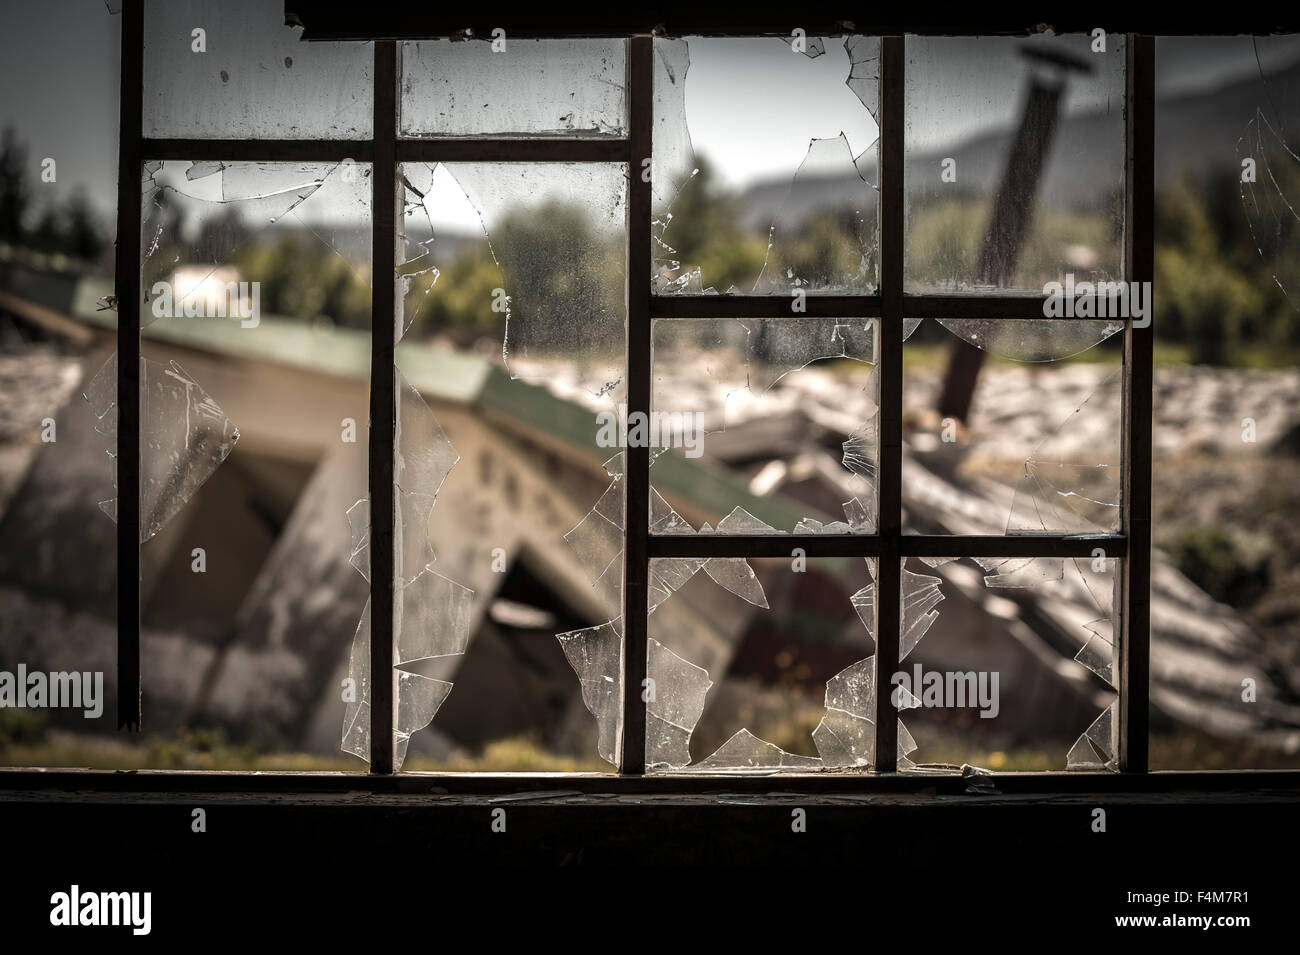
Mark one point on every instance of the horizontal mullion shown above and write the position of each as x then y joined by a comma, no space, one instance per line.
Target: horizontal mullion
513,150
258,150
408,150
764,306
869,545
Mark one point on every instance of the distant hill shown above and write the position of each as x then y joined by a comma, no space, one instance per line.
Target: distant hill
1196,131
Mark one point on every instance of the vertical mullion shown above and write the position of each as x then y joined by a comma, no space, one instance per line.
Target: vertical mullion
1139,266
128,292
636,463
383,404
889,570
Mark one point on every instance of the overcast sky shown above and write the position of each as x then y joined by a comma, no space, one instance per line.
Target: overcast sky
752,104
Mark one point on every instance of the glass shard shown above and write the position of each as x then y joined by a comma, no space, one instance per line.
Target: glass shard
745,752
184,437
674,706
1095,749
596,655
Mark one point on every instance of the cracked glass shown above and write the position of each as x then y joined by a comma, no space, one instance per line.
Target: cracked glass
764,169
509,522
255,343
761,665
1009,664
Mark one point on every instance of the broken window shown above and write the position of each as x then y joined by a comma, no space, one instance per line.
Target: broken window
520,410
256,327
510,300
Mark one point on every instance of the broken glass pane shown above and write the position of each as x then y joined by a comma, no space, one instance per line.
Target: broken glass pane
1014,161
778,686
417,700
233,70
531,520
1095,749
256,281
775,417
433,615
746,205
514,86
995,683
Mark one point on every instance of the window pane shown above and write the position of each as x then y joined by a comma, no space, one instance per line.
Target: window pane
765,165
564,89
1012,426
761,666
1014,161
256,343
1009,664
510,513
763,426
233,70
1224,615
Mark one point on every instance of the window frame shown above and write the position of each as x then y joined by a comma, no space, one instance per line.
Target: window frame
890,306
